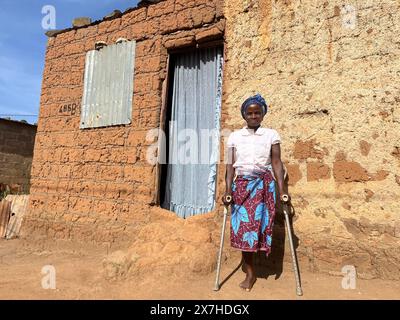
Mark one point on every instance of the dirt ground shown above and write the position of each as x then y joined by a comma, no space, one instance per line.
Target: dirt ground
81,276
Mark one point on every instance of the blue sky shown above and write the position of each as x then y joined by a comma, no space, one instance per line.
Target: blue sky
23,45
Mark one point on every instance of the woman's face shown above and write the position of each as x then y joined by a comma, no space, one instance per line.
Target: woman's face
254,115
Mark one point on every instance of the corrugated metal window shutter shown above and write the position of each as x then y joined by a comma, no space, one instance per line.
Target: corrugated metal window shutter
108,86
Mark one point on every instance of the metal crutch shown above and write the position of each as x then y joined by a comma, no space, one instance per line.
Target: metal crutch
285,200
216,286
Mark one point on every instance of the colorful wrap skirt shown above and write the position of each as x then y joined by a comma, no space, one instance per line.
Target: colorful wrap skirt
253,212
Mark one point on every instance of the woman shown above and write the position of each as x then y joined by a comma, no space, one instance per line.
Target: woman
254,157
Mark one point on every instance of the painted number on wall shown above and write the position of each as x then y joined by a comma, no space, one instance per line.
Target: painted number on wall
69,109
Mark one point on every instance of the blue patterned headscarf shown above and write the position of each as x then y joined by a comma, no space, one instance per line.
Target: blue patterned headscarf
257,99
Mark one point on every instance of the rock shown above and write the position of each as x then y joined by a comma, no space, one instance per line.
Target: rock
113,15
147,2
53,33
81,22
117,264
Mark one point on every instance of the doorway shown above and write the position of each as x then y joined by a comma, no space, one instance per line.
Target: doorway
192,124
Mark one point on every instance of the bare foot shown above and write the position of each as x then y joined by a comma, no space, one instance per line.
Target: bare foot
248,283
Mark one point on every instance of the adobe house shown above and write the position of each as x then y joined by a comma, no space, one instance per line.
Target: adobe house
16,152
328,72
106,85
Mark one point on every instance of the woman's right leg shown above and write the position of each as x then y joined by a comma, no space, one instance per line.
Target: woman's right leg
248,266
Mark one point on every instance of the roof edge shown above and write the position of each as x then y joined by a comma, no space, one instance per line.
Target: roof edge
18,122
113,15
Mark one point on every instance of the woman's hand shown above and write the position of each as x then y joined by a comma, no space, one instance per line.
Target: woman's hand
227,199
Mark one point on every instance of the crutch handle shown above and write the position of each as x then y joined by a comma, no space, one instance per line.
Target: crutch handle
285,198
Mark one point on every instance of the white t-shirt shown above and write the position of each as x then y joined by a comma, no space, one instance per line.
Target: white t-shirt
252,149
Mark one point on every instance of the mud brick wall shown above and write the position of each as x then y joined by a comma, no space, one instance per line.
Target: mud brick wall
16,152
96,185
331,79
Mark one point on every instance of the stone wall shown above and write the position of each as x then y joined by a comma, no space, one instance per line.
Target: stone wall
16,152
96,185
331,79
